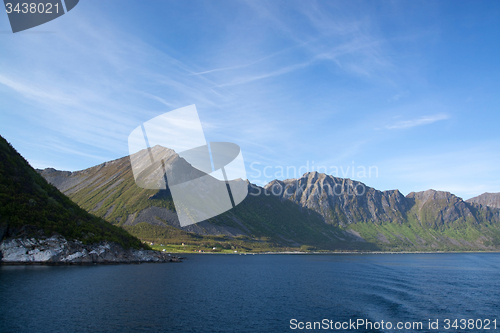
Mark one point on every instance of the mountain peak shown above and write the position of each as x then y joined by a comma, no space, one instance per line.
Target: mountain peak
341,201
314,207
487,199
432,195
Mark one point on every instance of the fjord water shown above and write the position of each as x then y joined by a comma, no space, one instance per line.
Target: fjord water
251,293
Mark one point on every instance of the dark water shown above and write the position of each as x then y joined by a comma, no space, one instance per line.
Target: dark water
252,293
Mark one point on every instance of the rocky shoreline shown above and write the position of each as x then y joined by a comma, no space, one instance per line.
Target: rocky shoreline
56,250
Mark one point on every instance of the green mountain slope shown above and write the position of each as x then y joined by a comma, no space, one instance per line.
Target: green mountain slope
261,220
429,220
314,211
30,206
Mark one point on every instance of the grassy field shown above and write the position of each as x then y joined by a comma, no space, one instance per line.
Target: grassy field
222,247
172,248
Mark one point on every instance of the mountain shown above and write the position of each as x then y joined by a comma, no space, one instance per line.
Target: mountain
315,211
421,220
341,201
487,199
32,208
261,221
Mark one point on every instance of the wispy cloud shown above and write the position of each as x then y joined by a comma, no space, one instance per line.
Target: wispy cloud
425,120
40,93
254,62
93,92
278,72
399,96
288,81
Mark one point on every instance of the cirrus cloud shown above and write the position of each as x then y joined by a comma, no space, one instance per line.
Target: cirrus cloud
424,120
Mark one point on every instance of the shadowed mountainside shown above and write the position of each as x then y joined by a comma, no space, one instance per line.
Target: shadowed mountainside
421,220
316,210
109,190
31,207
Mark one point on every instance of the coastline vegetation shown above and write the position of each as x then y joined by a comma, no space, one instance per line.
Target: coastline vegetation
29,206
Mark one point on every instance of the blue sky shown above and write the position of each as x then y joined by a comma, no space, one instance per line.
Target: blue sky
408,87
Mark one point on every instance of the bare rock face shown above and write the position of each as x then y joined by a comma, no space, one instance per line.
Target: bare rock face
341,201
344,202
487,199
440,207
58,250
313,209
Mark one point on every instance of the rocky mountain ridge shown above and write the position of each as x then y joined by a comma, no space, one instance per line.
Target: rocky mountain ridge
344,201
487,199
316,209
110,191
341,201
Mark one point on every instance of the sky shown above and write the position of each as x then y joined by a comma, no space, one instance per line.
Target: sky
396,94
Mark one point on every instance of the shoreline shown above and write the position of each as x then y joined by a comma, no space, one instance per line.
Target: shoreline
58,251
41,263
347,252
177,257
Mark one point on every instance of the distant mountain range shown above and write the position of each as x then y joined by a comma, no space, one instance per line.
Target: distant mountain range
316,211
261,221
31,207
430,219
